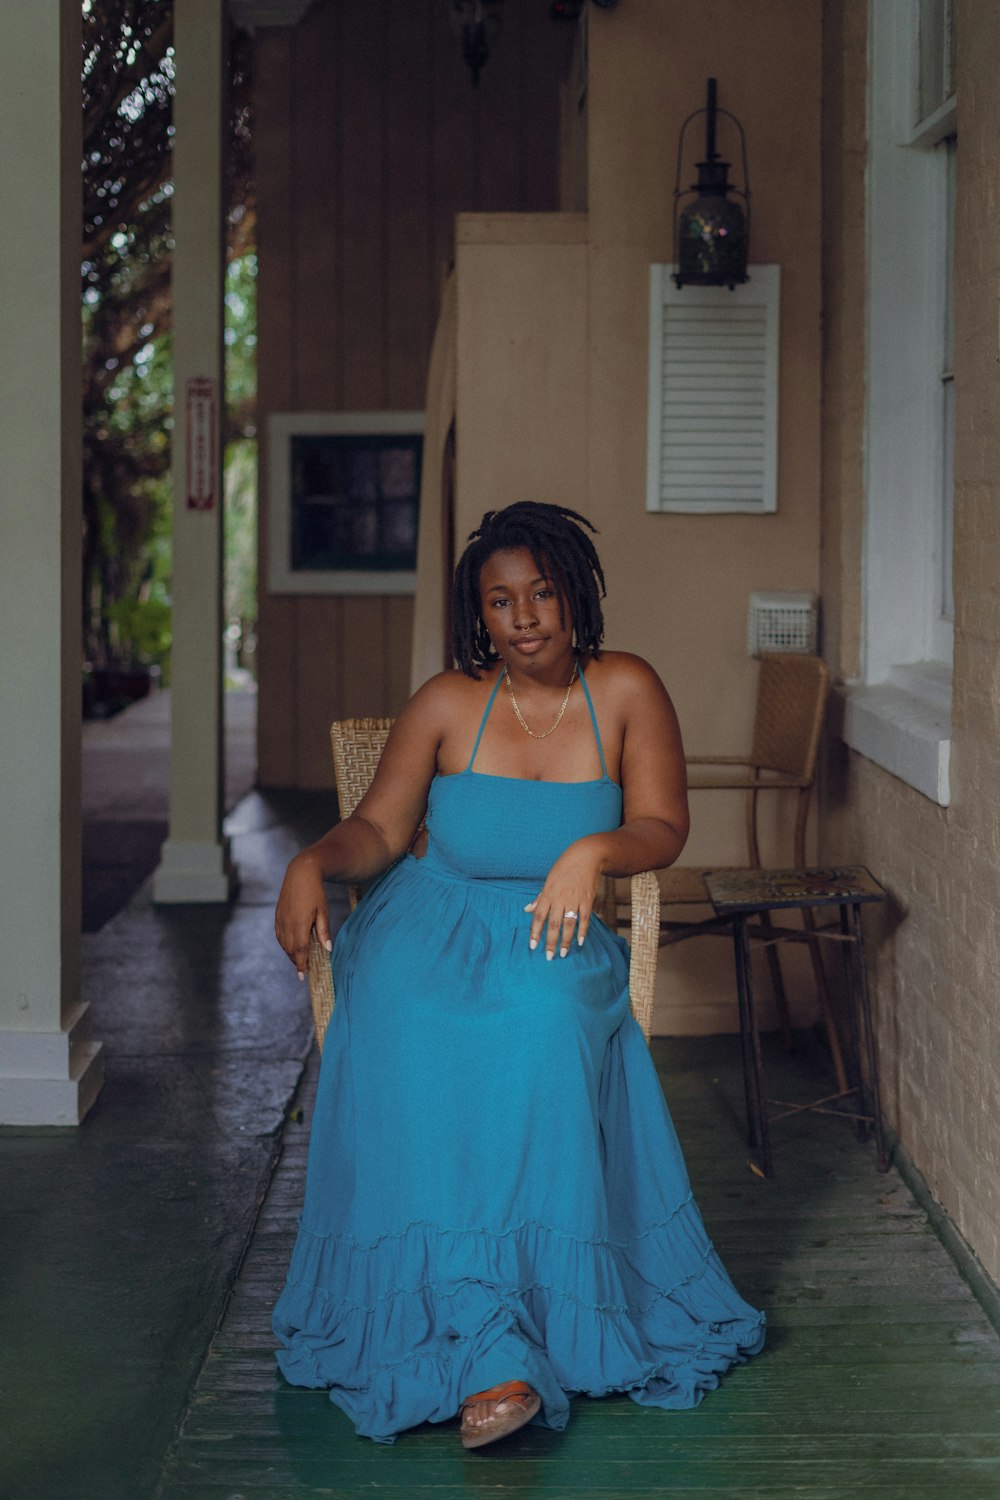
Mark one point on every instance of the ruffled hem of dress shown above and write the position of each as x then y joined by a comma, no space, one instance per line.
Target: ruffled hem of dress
398,1333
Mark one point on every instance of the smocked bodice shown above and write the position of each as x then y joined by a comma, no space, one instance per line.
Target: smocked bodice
484,827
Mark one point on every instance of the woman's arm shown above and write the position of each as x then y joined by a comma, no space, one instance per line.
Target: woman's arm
655,819
375,835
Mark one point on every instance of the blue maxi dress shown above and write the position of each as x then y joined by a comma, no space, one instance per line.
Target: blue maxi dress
495,1189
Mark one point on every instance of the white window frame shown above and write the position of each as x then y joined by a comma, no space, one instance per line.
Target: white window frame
899,716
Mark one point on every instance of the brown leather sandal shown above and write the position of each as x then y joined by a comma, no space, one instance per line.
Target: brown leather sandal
521,1402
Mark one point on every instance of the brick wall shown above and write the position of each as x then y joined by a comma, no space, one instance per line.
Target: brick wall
935,952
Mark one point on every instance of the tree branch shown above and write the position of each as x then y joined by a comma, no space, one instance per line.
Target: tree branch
146,61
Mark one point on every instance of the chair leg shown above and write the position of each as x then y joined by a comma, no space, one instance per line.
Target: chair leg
825,1002
856,1086
758,1133
815,955
747,1059
778,986
864,1003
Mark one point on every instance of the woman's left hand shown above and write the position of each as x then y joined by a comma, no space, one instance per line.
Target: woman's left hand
564,904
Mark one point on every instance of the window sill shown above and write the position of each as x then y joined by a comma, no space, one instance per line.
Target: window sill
903,725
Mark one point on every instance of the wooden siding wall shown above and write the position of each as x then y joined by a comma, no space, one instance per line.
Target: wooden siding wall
369,139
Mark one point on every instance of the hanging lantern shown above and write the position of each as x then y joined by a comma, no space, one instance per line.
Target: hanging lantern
476,23
711,231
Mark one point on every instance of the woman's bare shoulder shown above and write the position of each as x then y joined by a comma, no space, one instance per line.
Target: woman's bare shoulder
445,695
624,675
454,686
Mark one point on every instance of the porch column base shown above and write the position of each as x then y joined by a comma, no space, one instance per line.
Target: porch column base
193,872
50,1077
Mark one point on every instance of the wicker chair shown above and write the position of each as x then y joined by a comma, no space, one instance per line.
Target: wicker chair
792,691
357,745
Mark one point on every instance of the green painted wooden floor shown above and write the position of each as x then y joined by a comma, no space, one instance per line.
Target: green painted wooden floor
881,1377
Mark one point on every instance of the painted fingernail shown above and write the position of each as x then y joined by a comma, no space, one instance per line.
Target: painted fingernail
563,952
301,975
579,940
550,954
328,946
533,944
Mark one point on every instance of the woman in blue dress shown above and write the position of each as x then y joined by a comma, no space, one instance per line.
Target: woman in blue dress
497,1212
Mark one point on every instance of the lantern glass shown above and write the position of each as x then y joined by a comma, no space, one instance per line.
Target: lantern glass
712,242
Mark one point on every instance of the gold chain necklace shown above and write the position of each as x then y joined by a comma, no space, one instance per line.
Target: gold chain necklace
520,716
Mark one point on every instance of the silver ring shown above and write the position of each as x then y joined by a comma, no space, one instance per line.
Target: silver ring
572,914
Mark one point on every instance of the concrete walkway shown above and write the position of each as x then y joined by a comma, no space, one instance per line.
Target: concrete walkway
119,1241
126,776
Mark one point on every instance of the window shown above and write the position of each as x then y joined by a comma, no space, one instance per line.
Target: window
946,598
934,94
901,716
344,493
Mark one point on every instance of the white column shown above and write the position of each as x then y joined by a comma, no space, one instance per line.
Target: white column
194,863
50,1070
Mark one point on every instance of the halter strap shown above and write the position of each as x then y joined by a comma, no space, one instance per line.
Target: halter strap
593,720
482,722
590,706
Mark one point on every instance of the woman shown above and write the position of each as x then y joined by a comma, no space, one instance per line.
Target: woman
497,1211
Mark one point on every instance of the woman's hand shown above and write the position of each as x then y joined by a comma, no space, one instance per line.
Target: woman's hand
301,907
565,902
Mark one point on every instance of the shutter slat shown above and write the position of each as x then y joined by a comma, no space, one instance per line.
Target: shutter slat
713,368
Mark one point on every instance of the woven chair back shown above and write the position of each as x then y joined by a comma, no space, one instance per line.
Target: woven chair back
357,748
791,698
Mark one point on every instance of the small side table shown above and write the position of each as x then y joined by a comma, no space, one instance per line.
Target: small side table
740,895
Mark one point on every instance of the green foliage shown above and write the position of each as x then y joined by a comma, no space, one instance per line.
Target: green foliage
241,344
128,100
240,517
241,533
143,627
128,71
127,508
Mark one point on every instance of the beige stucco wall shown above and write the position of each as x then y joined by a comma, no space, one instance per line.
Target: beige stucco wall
552,380
936,953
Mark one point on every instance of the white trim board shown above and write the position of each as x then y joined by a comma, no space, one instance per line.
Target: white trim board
902,725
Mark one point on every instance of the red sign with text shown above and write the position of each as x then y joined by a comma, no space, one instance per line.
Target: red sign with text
201,453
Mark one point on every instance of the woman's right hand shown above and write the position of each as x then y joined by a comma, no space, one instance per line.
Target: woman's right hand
301,907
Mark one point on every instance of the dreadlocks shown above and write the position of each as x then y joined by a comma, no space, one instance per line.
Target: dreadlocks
560,549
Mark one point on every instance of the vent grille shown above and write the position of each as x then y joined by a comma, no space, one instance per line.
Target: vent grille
713,395
782,621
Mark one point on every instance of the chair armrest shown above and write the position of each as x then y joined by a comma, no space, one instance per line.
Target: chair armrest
321,996
644,946
726,783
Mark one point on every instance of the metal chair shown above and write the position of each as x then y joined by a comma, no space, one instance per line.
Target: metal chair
357,745
792,690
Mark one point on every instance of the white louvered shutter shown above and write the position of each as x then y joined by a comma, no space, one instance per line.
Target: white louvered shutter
713,394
